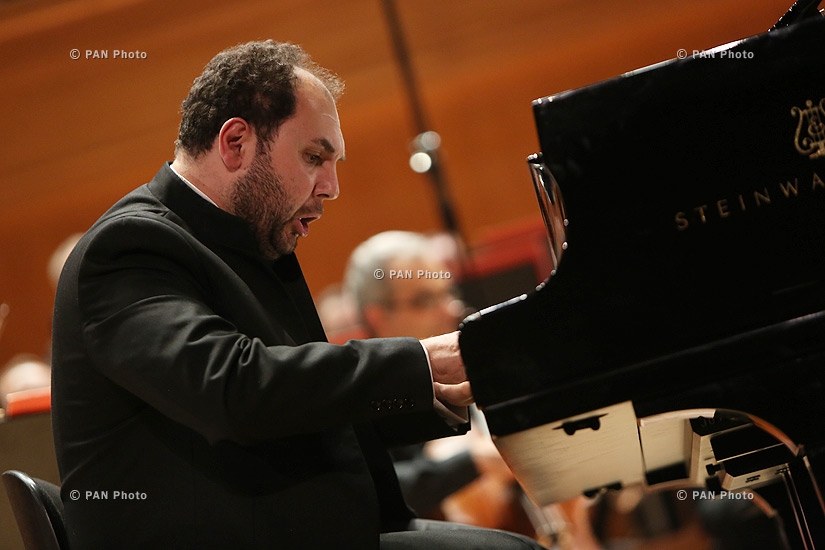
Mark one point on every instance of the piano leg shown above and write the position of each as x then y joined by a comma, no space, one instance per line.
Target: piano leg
798,502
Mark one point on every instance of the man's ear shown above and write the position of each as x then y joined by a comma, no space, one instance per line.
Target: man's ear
236,143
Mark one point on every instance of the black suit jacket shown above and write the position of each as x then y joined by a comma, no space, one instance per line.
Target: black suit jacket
196,403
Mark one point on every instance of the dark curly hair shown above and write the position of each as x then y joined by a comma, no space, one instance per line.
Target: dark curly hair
254,81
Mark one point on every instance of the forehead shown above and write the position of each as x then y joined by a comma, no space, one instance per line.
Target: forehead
316,115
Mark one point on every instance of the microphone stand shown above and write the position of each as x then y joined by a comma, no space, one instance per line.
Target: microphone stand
425,145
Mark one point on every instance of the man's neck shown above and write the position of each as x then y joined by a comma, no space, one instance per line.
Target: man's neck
194,173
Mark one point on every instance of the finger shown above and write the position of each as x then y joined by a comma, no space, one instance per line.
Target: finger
445,358
449,372
460,395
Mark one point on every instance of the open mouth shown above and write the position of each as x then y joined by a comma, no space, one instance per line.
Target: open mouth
303,224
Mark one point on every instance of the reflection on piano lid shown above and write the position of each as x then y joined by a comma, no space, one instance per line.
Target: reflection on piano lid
685,207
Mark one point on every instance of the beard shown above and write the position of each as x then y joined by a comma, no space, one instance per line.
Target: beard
259,198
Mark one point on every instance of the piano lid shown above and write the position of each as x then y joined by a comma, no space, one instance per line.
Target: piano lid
685,203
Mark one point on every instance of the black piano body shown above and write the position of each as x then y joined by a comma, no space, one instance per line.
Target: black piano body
680,341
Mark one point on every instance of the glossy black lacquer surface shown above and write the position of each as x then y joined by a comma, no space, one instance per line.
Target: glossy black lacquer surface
694,267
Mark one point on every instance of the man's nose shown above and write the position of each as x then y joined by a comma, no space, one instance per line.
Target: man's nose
327,186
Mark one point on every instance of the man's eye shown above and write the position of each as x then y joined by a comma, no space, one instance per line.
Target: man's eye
314,159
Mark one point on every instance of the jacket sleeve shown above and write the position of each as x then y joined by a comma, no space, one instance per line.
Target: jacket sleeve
149,325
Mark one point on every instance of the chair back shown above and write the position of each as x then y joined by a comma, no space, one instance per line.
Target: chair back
38,510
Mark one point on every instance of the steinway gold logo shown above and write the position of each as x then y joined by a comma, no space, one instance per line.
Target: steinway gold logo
809,140
725,208
810,129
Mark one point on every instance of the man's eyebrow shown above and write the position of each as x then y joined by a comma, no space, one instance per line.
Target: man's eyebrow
327,146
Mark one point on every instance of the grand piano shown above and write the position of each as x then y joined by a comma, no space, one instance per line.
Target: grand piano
679,342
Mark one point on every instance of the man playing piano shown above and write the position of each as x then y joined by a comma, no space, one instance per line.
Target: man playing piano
196,403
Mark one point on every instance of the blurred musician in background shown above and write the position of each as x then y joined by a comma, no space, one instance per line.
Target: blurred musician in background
401,284
338,314
22,372
28,371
